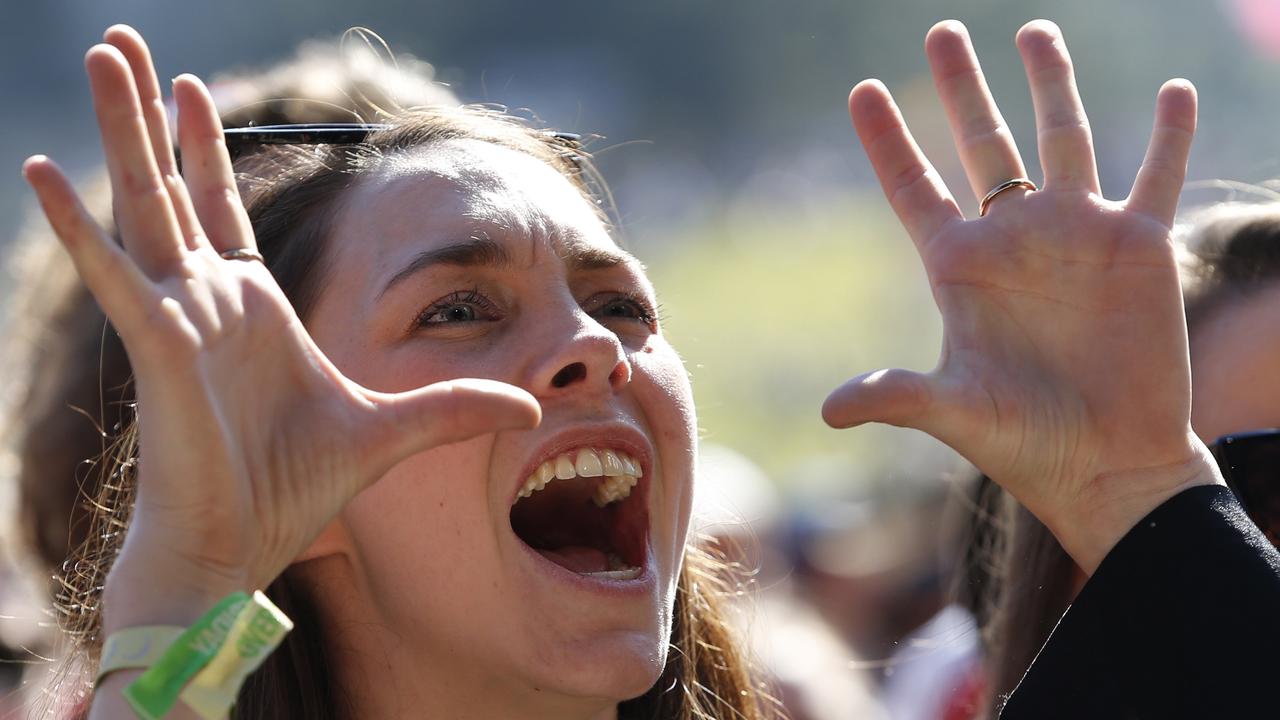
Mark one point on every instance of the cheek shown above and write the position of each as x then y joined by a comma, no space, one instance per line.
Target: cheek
664,372
1234,391
424,523
667,399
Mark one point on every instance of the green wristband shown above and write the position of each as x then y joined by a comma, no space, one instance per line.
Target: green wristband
156,691
255,634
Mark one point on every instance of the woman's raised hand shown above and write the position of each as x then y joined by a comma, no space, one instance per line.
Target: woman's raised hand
250,440
1064,372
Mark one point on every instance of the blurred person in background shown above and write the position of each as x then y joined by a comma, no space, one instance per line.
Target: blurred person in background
1002,359
1018,579
742,517
878,569
868,567
67,390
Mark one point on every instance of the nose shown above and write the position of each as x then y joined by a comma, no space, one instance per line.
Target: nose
584,356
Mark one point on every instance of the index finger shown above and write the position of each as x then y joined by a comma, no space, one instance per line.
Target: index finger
912,185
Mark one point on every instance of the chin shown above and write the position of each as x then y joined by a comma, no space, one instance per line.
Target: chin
615,668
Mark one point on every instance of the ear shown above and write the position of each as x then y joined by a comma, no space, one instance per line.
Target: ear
334,540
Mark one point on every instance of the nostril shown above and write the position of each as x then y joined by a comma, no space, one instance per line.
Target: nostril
568,375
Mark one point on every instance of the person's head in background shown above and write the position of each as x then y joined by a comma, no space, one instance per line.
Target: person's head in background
67,373
1017,579
1232,285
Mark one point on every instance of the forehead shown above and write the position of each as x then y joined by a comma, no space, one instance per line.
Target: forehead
1234,356
458,190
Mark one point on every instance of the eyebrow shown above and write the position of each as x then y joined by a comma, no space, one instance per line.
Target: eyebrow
478,251
482,251
586,257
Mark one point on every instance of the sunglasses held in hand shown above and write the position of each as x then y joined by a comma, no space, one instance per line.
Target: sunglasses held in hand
1250,462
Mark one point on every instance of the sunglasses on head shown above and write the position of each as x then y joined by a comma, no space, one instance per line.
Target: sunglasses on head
243,138
1250,463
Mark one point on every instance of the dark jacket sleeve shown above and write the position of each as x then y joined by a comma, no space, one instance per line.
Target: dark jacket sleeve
1181,620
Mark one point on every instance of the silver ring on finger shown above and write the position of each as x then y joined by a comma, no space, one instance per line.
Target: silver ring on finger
242,254
1006,185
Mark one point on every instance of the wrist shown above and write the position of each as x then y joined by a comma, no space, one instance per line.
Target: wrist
1113,503
153,589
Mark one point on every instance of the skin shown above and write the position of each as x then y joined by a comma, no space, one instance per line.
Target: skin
1063,373
502,632
1234,356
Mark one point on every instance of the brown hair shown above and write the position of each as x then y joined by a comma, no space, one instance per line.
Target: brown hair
289,193
1229,253
1016,580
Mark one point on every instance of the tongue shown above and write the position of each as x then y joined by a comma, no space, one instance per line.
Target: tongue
577,558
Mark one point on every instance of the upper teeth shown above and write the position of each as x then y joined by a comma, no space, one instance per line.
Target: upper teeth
619,470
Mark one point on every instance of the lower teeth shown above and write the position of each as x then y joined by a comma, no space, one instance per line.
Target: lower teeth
627,574
618,570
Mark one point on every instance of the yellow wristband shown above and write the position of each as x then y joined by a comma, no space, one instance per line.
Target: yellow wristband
135,648
256,632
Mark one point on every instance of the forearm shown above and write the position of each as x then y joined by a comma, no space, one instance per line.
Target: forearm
1178,621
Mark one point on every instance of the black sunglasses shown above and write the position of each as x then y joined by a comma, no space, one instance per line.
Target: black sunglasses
243,138
1250,463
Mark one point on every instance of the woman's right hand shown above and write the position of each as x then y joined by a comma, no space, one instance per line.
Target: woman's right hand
251,441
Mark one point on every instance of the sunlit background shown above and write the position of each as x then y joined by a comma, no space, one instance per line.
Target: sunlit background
724,134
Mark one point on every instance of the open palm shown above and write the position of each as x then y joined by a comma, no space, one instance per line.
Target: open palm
250,440
1064,370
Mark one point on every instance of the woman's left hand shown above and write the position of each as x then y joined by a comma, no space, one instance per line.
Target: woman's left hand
1064,372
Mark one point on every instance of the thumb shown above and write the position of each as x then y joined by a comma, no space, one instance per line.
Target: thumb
442,413
896,397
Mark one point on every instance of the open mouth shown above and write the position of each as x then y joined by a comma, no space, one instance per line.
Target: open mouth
585,511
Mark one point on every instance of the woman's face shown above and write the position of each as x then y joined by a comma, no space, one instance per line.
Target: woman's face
1234,357
471,260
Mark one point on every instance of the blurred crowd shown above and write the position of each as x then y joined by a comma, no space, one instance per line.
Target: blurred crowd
923,603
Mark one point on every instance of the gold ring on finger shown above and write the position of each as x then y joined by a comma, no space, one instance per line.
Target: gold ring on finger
1006,185
242,254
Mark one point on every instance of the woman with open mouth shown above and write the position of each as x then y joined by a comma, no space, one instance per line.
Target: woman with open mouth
406,380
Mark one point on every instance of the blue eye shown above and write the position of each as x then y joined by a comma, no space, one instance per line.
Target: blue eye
624,306
454,313
458,307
